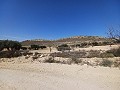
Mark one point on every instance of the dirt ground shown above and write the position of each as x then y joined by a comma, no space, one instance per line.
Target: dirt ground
46,76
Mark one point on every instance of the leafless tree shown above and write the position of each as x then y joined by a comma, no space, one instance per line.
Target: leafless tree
114,34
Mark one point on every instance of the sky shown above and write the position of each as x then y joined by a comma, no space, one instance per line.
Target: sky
53,19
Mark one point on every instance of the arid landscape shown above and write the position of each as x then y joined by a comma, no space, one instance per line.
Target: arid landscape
59,44
72,69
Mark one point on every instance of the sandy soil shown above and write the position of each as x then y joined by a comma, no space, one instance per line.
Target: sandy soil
104,48
26,75
45,76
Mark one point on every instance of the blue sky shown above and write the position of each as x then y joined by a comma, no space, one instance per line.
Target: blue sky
53,19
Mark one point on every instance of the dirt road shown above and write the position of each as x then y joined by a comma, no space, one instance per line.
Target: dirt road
45,76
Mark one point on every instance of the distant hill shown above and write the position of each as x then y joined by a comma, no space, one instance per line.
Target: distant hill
70,40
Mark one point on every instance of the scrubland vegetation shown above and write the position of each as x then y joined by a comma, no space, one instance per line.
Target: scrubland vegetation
69,53
89,62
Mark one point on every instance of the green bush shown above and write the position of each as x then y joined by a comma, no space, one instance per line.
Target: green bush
42,47
24,48
35,47
10,45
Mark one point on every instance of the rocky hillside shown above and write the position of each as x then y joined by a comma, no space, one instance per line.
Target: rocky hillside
70,40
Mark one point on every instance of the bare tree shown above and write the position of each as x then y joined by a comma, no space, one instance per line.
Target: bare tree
114,34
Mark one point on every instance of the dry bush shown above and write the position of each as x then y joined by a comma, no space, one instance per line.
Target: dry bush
35,57
25,53
36,53
76,54
88,54
106,63
115,52
75,60
106,55
93,53
26,57
60,54
63,47
69,61
117,63
51,60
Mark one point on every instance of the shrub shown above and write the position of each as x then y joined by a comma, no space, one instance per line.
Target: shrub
93,53
42,47
106,63
95,43
83,44
115,52
25,53
35,47
26,57
77,45
63,47
10,54
35,57
76,54
50,60
15,45
106,43
106,55
36,53
75,60
117,63
24,48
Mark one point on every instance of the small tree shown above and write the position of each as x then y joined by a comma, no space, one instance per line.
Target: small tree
13,45
16,45
10,45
